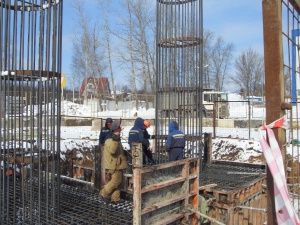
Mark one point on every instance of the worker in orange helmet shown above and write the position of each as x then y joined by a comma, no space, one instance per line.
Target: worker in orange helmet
148,151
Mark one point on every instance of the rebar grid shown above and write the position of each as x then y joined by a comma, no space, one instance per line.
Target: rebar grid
229,177
179,72
77,207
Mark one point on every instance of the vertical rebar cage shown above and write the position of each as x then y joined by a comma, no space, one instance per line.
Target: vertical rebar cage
179,56
289,34
30,69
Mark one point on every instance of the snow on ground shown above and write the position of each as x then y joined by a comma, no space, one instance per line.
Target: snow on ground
73,109
223,148
237,150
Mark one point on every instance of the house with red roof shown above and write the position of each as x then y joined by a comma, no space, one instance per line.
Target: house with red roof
93,86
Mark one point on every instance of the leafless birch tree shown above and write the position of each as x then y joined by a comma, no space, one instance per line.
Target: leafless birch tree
105,8
88,58
137,56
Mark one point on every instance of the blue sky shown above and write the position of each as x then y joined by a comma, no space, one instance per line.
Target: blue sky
237,21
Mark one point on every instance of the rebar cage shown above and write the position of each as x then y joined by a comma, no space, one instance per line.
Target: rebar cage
179,55
290,23
30,69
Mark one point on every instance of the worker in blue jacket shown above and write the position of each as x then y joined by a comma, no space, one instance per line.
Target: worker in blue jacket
105,132
136,134
175,142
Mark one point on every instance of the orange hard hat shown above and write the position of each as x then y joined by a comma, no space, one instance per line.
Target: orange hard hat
147,123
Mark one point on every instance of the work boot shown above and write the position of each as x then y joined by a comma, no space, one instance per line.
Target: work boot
106,200
152,162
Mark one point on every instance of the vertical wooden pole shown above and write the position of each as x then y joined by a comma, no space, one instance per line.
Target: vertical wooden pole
274,87
207,148
137,197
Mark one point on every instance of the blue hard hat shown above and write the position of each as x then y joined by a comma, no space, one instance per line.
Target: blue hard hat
109,120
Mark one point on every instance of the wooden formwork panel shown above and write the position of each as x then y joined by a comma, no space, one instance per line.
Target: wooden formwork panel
252,211
246,205
161,193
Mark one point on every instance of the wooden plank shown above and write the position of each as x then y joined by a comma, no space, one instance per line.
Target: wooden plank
169,220
28,159
162,184
207,186
187,178
162,204
194,190
137,198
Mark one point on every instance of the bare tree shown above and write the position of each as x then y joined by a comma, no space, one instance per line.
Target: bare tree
88,58
249,72
105,7
144,35
130,45
137,55
126,51
287,80
220,62
208,37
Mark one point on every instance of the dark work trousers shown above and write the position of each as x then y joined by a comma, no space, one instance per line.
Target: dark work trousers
148,153
175,154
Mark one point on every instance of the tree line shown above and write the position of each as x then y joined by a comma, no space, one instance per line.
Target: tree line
117,40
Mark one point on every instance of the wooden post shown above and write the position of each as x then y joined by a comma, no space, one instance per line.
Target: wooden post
207,148
274,87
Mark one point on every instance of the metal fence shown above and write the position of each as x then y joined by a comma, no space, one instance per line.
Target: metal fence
242,119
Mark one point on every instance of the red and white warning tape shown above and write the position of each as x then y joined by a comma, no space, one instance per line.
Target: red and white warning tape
285,212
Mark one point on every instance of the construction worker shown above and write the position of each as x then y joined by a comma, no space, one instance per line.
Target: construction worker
147,151
114,163
136,134
175,142
146,134
104,133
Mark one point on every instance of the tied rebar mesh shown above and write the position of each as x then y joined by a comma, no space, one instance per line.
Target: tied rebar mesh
179,56
78,207
30,71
